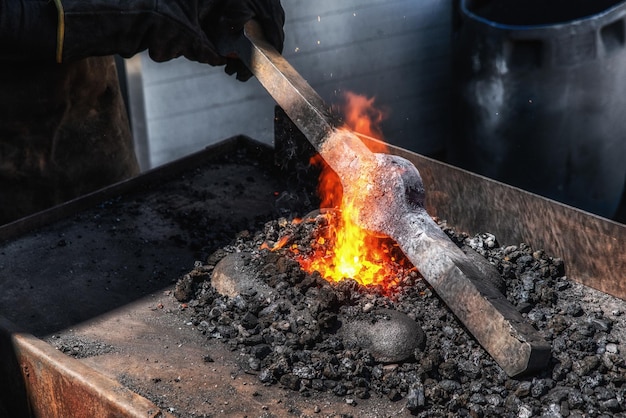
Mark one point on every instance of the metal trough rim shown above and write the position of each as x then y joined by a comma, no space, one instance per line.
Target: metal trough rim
591,246
211,152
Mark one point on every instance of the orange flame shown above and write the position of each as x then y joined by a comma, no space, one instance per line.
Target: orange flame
363,118
342,249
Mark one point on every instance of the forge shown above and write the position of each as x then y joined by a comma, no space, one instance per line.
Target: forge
114,294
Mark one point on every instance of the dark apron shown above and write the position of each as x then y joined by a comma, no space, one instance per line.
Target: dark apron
64,132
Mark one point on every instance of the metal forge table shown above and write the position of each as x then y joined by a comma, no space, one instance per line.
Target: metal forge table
94,277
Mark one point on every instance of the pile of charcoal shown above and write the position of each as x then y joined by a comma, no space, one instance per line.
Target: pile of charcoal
287,332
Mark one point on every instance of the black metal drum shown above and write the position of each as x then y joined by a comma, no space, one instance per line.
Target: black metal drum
540,97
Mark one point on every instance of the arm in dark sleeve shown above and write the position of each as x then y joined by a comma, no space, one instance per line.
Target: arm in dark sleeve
166,28
28,30
67,30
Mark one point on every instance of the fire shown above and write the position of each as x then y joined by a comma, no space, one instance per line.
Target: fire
362,117
342,249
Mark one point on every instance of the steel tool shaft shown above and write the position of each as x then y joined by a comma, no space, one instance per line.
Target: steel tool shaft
391,202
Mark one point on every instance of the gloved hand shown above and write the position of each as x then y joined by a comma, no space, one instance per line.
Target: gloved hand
167,28
270,16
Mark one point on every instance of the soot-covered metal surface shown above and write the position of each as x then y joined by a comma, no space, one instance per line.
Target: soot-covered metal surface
137,241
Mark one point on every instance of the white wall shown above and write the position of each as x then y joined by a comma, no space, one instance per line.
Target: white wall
395,50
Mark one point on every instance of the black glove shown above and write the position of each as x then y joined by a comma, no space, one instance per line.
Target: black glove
270,16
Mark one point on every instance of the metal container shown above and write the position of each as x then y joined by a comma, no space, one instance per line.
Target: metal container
540,97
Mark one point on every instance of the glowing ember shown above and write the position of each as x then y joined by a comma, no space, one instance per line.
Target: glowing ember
340,248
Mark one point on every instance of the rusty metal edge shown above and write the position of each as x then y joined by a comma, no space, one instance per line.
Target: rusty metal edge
593,248
39,381
210,153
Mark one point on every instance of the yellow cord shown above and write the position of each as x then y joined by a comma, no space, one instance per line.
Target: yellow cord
60,30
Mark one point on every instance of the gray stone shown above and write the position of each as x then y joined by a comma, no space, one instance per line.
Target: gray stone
233,275
390,336
184,290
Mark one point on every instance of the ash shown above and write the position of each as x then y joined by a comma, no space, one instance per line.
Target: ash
290,338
